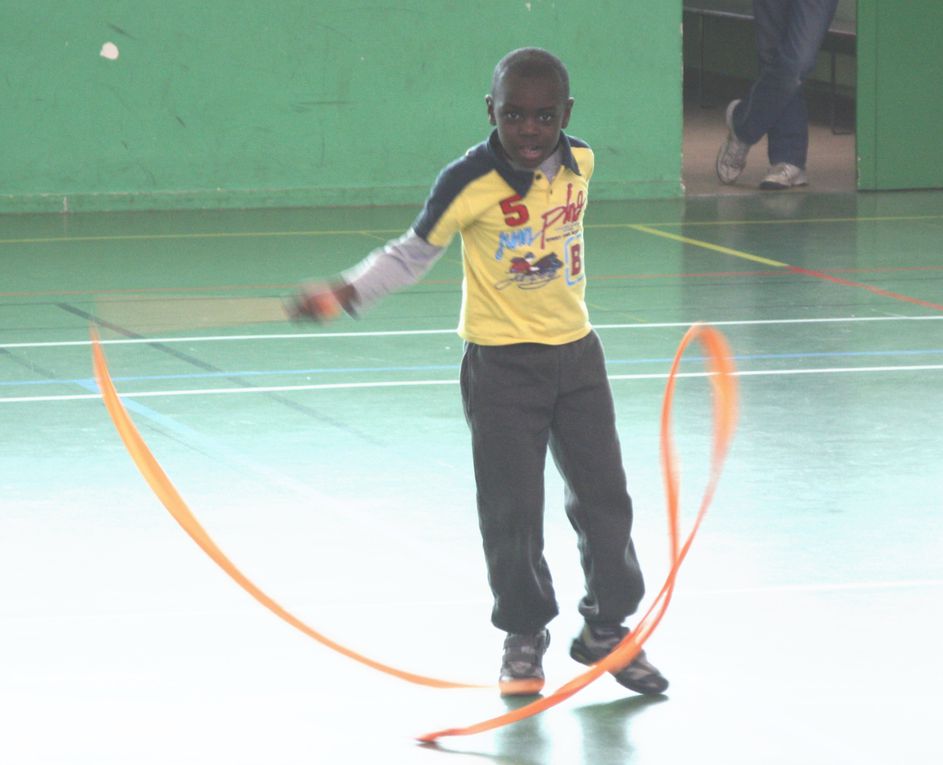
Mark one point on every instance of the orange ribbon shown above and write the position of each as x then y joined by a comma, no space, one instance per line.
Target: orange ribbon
171,499
725,398
723,383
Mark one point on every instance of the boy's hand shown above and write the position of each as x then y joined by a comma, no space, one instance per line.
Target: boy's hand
320,301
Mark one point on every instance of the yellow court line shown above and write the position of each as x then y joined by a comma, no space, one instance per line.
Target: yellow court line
709,246
206,235
855,219
380,232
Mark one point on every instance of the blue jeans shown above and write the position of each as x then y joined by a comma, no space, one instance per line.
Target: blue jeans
789,34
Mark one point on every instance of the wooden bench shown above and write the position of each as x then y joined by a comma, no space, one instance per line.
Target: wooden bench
839,40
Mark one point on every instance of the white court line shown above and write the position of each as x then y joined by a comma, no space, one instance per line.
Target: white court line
821,587
415,383
450,331
227,338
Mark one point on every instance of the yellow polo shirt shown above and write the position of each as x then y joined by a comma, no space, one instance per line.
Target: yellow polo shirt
522,244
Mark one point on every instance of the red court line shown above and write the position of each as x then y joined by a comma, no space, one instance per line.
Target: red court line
685,275
884,269
778,272
868,287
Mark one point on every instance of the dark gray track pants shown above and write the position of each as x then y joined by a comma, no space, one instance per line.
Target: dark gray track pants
520,399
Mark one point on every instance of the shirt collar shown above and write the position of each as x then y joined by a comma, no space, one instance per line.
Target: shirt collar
521,180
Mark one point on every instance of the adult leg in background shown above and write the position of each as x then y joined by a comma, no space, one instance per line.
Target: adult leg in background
789,34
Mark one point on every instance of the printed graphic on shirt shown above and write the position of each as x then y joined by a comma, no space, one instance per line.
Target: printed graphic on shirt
530,271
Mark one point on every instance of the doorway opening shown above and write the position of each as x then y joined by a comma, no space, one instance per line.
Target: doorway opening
720,64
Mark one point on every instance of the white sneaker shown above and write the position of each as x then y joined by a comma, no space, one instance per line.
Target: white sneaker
732,157
783,176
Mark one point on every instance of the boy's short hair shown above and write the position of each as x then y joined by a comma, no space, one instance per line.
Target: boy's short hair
532,62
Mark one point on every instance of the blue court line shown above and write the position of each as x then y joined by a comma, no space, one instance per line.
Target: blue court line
85,381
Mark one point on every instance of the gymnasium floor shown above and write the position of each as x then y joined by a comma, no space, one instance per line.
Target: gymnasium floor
332,465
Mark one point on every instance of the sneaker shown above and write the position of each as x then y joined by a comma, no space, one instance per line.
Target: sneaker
784,176
596,642
521,670
732,157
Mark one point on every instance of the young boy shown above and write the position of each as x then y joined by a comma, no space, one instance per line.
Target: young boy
533,374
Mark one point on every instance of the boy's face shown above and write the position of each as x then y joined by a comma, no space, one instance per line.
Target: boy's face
529,113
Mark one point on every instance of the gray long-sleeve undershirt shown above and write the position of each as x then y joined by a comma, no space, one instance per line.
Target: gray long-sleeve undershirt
396,265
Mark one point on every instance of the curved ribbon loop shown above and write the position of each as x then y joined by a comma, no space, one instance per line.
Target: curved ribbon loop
154,474
724,387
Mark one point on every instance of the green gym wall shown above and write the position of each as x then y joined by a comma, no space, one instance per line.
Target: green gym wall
228,103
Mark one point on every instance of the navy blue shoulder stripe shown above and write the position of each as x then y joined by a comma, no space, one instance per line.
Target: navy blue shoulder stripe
477,162
450,183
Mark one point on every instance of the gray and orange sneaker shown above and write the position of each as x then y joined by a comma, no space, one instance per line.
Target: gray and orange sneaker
596,642
522,672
